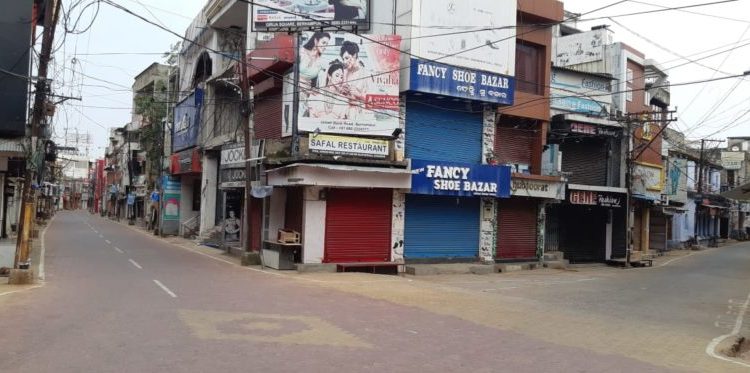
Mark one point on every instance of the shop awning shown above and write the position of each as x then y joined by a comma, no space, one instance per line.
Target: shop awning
741,193
342,176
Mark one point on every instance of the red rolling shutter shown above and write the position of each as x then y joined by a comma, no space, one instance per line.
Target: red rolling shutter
358,225
516,224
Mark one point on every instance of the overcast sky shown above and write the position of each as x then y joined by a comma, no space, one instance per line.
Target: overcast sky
119,46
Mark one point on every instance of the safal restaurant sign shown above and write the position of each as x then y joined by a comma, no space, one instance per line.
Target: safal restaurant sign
459,179
344,145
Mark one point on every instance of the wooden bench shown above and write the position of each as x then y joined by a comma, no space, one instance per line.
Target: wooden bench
380,268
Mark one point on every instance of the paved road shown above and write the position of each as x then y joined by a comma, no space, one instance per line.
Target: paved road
117,300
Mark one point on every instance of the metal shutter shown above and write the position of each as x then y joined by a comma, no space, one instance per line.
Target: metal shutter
585,160
513,145
267,115
516,236
441,227
619,233
443,135
657,238
584,233
358,225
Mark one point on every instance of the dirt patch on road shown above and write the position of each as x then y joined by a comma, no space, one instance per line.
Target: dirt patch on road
740,349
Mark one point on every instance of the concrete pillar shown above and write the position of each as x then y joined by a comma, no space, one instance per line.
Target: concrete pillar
209,186
488,206
398,211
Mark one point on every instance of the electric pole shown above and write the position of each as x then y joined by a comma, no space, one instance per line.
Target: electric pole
246,100
38,114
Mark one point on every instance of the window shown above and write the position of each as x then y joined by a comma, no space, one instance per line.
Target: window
529,68
629,95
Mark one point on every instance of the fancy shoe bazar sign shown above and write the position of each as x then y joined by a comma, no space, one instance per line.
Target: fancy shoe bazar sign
522,187
459,179
343,145
595,198
446,80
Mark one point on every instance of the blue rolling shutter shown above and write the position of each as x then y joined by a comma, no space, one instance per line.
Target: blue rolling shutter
448,133
441,227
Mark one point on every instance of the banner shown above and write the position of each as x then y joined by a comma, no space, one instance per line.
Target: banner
459,179
344,145
446,80
291,15
472,34
187,121
172,193
349,84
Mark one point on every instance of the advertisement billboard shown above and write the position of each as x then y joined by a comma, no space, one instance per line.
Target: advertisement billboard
277,15
15,26
580,93
446,80
474,34
349,84
459,179
186,125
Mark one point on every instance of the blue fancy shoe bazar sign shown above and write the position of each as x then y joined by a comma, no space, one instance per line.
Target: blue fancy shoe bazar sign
447,80
459,179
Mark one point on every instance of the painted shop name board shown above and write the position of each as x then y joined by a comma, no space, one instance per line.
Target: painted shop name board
537,188
459,179
343,145
446,80
596,198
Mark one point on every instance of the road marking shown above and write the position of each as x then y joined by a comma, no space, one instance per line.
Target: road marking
119,250
108,241
166,289
44,249
18,291
135,264
711,348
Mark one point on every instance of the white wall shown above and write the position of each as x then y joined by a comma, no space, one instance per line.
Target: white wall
313,226
186,200
277,212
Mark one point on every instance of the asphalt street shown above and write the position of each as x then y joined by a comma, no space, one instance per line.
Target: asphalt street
119,300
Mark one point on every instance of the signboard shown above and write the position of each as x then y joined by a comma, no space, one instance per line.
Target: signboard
586,129
172,193
232,178
648,181
551,189
595,198
732,160
581,48
343,145
349,84
446,80
459,179
274,15
186,161
440,33
17,21
233,157
569,92
187,121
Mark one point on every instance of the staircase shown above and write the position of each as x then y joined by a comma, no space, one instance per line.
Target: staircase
191,227
555,260
212,237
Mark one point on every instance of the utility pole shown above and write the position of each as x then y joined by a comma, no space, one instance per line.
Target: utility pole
630,120
246,100
42,86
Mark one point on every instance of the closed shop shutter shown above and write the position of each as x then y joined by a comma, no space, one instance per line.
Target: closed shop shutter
267,115
453,135
513,145
584,233
657,231
619,233
585,160
441,227
358,225
516,235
